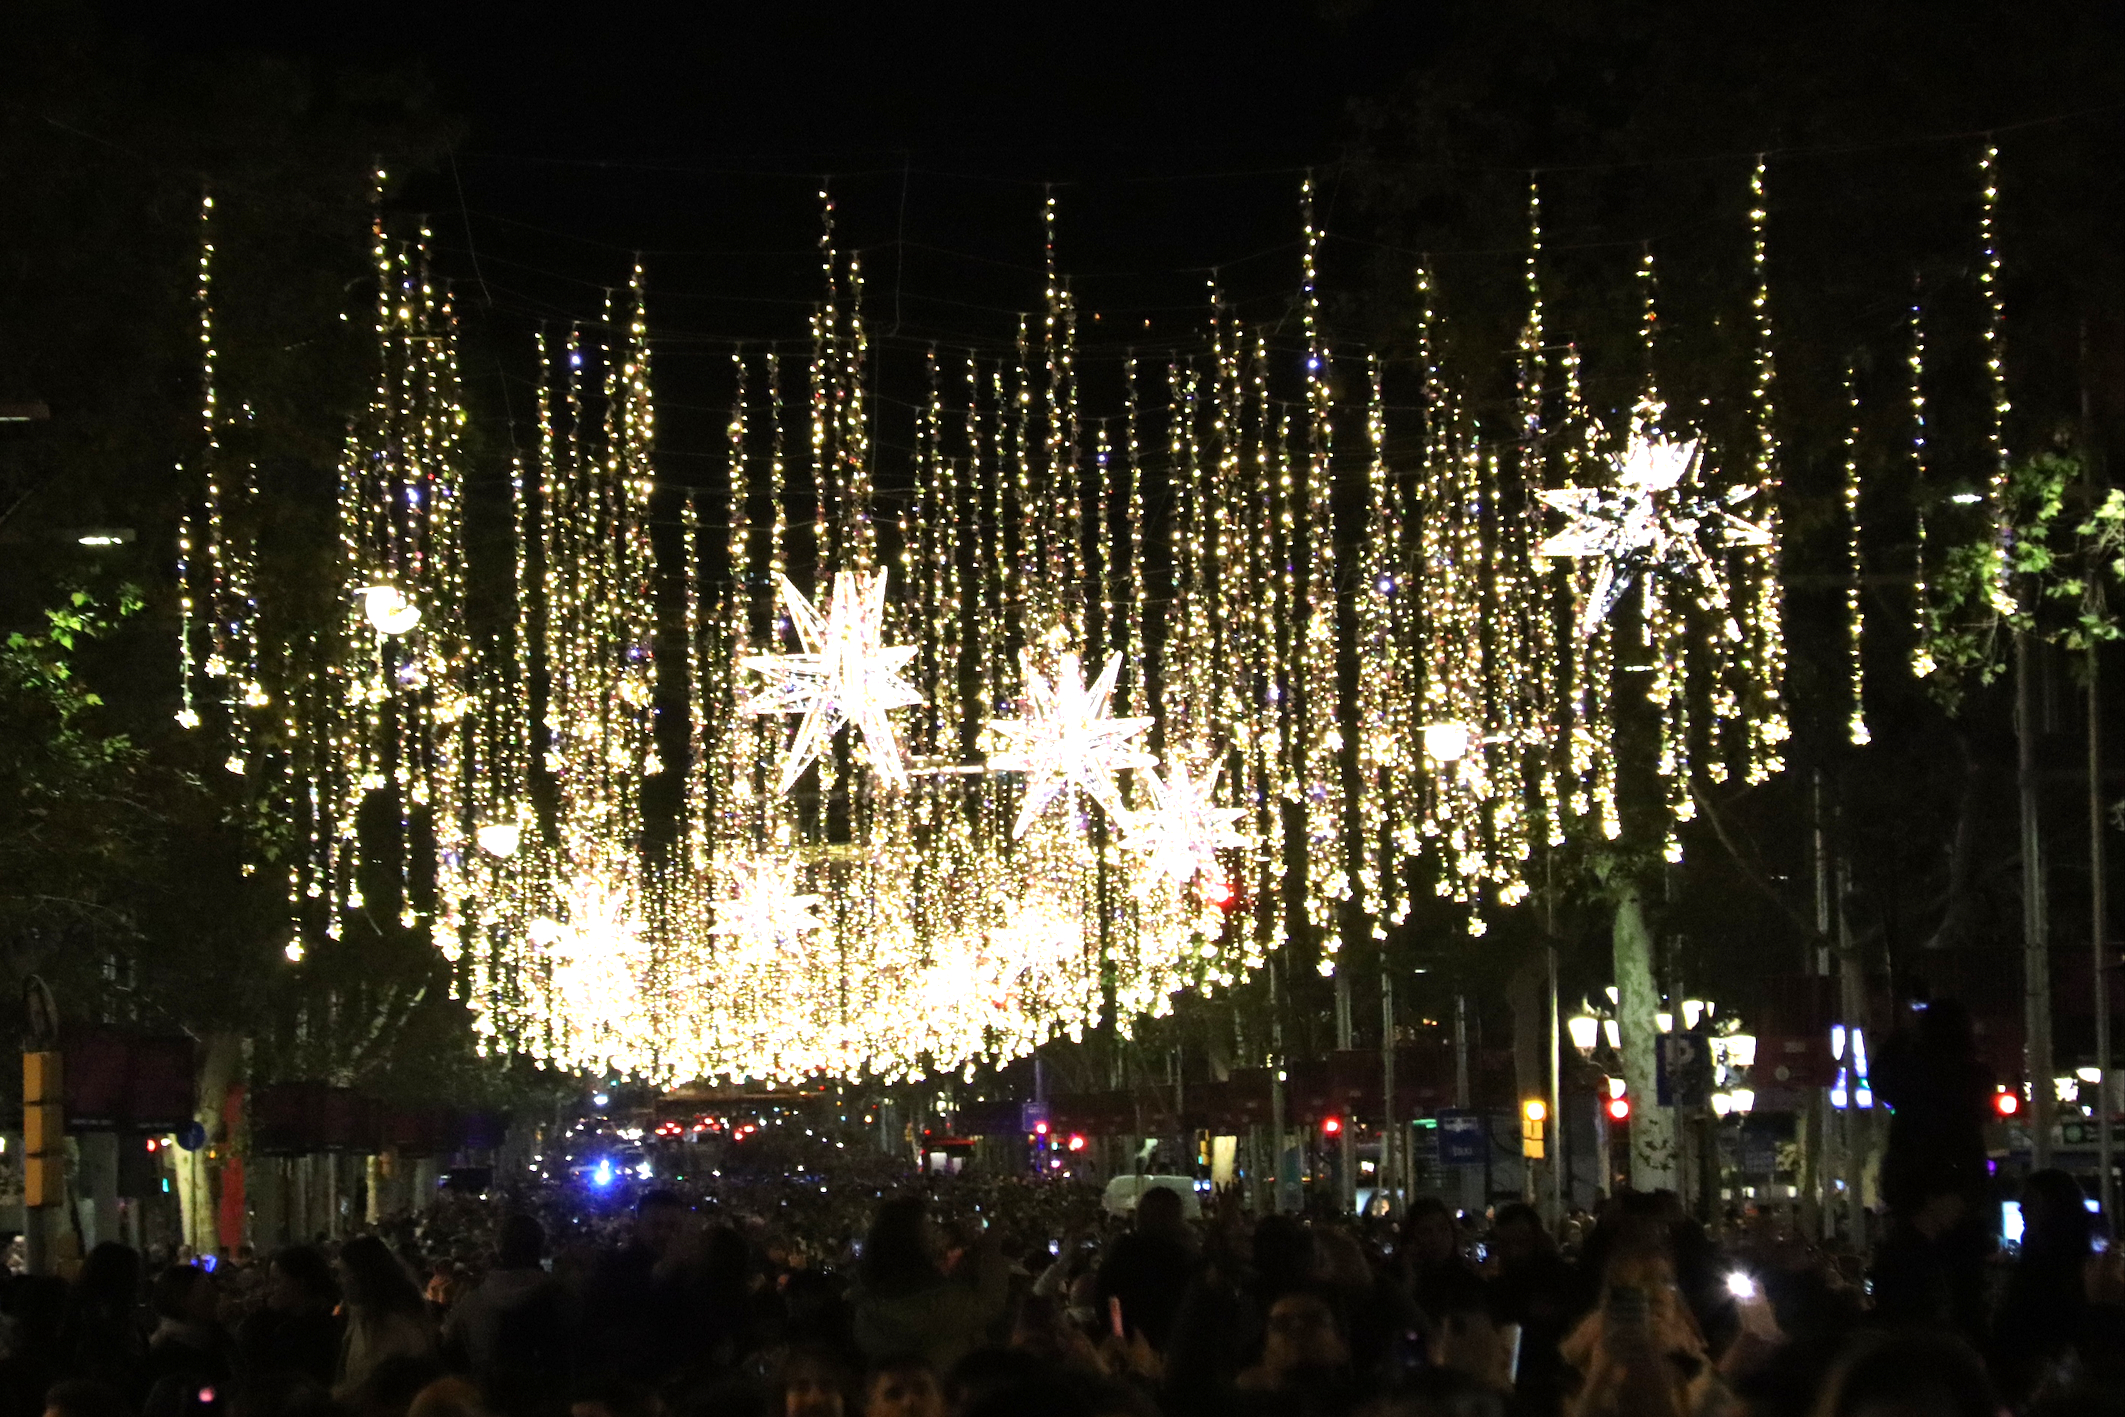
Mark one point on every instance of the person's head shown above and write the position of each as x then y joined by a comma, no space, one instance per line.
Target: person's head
82,1397
521,1243
110,1275
1428,1234
1519,1236
1908,1375
901,1248
813,1383
2055,1218
1159,1211
183,1293
1283,1253
660,1220
448,1397
903,1387
1303,1335
299,1280
373,1280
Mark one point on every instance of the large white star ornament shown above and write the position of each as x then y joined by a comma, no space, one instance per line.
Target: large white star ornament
1068,740
1183,830
767,908
1650,520
846,674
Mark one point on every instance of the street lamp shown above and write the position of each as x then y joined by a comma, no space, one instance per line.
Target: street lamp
1447,742
1585,1030
389,610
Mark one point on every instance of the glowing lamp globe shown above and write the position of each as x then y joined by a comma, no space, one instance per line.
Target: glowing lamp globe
500,838
1446,742
389,610
1585,1030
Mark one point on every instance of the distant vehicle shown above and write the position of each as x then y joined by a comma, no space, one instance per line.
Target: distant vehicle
1123,1192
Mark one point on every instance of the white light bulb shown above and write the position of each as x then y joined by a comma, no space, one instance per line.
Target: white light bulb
1446,742
388,609
500,838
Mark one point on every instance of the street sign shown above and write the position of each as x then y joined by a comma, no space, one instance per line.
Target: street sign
1460,1138
1683,1075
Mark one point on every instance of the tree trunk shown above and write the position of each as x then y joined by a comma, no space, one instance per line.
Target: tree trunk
1637,1001
220,1064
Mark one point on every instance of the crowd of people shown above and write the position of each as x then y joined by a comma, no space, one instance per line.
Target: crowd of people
959,1295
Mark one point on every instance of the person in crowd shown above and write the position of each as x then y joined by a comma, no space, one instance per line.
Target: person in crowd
386,1316
513,1330
1532,1287
2042,1318
187,1339
85,1397
296,1331
1305,1358
1433,1267
903,1387
1908,1375
1146,1271
101,1337
904,1301
812,1382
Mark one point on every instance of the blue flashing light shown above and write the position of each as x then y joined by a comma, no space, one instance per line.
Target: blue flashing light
602,1176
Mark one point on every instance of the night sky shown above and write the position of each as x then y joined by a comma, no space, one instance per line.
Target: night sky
1175,135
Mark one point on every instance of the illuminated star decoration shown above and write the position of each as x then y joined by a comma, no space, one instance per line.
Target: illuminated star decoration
1650,520
767,910
844,675
1183,830
1067,739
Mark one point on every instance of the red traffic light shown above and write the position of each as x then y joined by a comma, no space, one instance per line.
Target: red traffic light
2006,1103
1330,1126
1077,1141
1619,1109
1040,1129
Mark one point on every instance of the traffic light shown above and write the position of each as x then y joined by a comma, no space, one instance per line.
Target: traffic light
1331,1126
1077,1141
1533,1113
2006,1104
1619,1109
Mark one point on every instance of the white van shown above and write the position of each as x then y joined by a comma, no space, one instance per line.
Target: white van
1123,1191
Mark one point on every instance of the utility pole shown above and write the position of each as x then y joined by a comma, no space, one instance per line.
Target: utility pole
1390,1162
2098,953
1276,1093
1346,1043
2036,928
1821,1123
1559,1164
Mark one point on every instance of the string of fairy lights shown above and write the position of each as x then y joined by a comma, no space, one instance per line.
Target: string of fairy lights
1097,705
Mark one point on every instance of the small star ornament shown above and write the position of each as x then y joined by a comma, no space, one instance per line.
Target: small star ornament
767,908
1067,739
846,674
1651,519
1183,830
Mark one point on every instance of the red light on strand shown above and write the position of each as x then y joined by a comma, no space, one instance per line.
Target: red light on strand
1218,893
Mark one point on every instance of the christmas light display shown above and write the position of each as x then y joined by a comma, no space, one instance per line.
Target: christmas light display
1183,830
1069,739
1225,547
846,675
